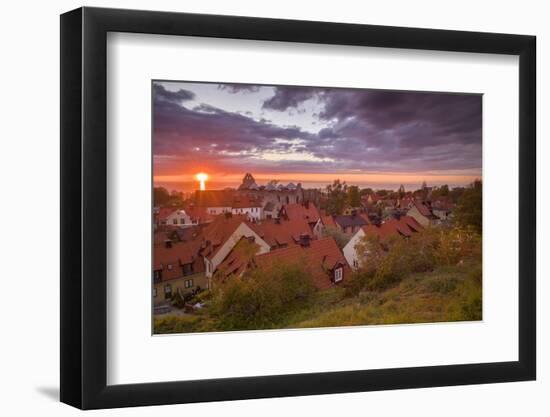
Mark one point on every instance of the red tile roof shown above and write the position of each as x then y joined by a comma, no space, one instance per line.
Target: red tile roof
405,226
218,231
176,256
306,211
281,232
424,209
412,223
236,261
245,202
320,257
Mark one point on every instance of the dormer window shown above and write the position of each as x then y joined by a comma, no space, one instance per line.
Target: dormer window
338,274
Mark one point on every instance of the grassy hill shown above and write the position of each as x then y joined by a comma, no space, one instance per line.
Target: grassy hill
448,293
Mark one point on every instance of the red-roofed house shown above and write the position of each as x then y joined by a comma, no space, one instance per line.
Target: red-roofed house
177,267
405,227
306,211
221,236
423,214
250,207
321,257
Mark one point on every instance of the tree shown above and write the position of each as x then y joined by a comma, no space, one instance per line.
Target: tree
468,212
366,191
401,191
336,197
263,296
354,199
444,190
340,237
160,196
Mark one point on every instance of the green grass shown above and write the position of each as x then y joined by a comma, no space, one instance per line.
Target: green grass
445,294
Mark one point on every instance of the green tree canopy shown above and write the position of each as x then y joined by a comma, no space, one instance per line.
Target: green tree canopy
354,199
337,197
468,212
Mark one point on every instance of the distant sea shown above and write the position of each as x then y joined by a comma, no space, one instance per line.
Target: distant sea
191,186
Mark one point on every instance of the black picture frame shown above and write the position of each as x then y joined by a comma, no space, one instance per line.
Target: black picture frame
84,207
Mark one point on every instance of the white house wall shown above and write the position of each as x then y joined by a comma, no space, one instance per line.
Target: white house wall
350,251
242,231
252,212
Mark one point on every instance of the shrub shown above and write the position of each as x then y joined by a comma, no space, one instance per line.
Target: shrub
262,297
340,237
386,262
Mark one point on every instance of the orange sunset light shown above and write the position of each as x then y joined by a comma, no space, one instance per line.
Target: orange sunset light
202,178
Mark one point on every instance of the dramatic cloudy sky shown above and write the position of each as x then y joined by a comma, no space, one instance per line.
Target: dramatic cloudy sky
373,138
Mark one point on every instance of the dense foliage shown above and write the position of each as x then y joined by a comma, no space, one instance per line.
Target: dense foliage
261,297
387,261
469,209
340,237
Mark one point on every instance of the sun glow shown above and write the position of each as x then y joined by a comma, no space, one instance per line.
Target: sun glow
202,177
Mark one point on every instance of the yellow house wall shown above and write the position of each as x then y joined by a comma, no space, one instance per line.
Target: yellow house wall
199,280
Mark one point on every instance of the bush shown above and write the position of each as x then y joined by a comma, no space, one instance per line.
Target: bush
340,237
262,297
386,262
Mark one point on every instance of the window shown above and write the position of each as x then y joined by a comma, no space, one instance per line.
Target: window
154,292
188,283
182,220
157,275
187,269
175,221
167,291
355,263
169,266
338,274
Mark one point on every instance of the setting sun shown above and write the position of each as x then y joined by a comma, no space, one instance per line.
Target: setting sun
202,177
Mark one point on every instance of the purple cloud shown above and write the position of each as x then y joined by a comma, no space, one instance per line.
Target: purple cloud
368,130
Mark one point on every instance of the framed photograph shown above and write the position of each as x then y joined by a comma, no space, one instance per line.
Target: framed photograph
258,208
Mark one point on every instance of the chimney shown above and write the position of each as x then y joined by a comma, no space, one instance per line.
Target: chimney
304,240
168,244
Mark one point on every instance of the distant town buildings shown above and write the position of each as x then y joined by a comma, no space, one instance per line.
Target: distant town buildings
220,234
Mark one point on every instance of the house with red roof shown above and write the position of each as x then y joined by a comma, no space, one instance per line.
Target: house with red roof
178,267
321,257
403,227
245,205
304,211
422,212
